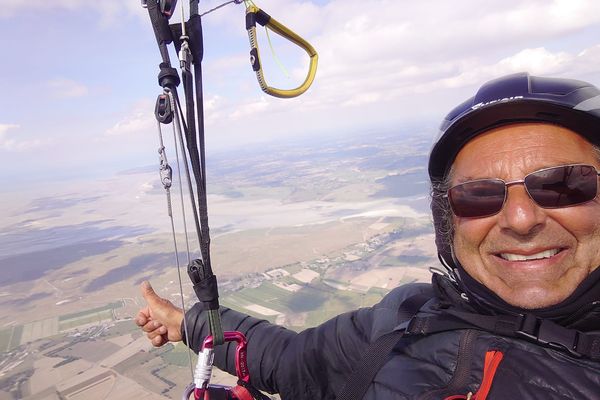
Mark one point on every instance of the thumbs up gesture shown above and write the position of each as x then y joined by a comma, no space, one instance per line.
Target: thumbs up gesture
160,319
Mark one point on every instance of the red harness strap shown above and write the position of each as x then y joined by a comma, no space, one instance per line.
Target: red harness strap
492,361
241,393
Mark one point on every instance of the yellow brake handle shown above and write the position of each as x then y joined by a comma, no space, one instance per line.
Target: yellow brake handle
256,15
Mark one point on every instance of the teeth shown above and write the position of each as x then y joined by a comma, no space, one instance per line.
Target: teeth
537,256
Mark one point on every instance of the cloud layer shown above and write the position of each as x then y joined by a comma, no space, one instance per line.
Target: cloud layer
391,60
383,64
9,141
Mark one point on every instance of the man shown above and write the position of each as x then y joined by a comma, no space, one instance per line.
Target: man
517,313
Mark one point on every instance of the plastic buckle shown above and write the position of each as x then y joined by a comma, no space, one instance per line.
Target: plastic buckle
558,337
528,328
550,334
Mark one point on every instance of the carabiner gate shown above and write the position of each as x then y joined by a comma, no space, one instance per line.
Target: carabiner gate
256,15
204,365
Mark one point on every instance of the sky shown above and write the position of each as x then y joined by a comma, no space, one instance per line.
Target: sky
79,77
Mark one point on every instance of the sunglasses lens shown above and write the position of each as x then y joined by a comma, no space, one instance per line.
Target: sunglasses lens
477,198
562,186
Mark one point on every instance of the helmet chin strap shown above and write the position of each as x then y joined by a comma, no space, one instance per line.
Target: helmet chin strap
452,272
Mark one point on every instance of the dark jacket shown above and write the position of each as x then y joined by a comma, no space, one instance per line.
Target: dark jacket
316,363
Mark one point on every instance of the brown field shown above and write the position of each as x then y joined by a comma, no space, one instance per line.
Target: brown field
234,254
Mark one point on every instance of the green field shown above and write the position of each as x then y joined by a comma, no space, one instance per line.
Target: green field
10,338
85,313
266,295
73,320
395,260
339,302
86,319
122,328
5,335
179,356
319,301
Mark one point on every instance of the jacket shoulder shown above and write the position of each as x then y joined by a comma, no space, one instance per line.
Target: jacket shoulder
396,307
401,294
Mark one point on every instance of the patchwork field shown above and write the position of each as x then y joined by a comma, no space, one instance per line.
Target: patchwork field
299,235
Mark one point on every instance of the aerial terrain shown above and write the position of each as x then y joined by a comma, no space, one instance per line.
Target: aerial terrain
300,233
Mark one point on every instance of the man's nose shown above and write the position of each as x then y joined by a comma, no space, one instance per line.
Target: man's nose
520,213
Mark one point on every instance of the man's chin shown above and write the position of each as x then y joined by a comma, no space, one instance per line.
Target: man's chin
531,298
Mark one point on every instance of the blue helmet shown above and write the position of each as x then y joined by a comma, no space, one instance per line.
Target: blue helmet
517,98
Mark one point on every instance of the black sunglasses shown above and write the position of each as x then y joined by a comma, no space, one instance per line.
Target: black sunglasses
555,187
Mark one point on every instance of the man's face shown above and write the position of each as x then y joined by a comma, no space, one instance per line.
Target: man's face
562,246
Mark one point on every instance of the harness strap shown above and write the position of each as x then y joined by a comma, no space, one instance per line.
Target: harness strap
490,366
541,331
376,354
241,393
371,362
529,327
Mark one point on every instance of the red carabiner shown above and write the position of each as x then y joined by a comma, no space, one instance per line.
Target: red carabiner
205,362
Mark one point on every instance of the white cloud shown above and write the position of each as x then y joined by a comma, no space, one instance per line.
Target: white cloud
5,127
67,88
379,60
227,65
140,120
537,61
215,107
390,55
374,45
251,108
135,123
13,7
9,143
588,61
212,103
110,11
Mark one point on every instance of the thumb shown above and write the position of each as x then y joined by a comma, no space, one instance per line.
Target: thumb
162,311
149,294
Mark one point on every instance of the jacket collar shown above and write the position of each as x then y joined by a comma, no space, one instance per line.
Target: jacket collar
581,310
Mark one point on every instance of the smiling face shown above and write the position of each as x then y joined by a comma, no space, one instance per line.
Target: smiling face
529,256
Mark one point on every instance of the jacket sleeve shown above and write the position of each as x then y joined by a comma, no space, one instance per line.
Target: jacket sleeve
313,364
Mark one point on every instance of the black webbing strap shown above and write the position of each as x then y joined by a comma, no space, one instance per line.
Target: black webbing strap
589,344
543,332
371,362
377,353
196,44
200,272
160,25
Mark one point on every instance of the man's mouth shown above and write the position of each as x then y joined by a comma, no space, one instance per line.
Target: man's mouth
537,256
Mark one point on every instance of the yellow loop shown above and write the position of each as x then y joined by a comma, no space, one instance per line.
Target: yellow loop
254,15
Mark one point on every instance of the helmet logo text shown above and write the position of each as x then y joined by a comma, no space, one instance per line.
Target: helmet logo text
503,100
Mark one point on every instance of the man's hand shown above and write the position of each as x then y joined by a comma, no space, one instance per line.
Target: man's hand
160,319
